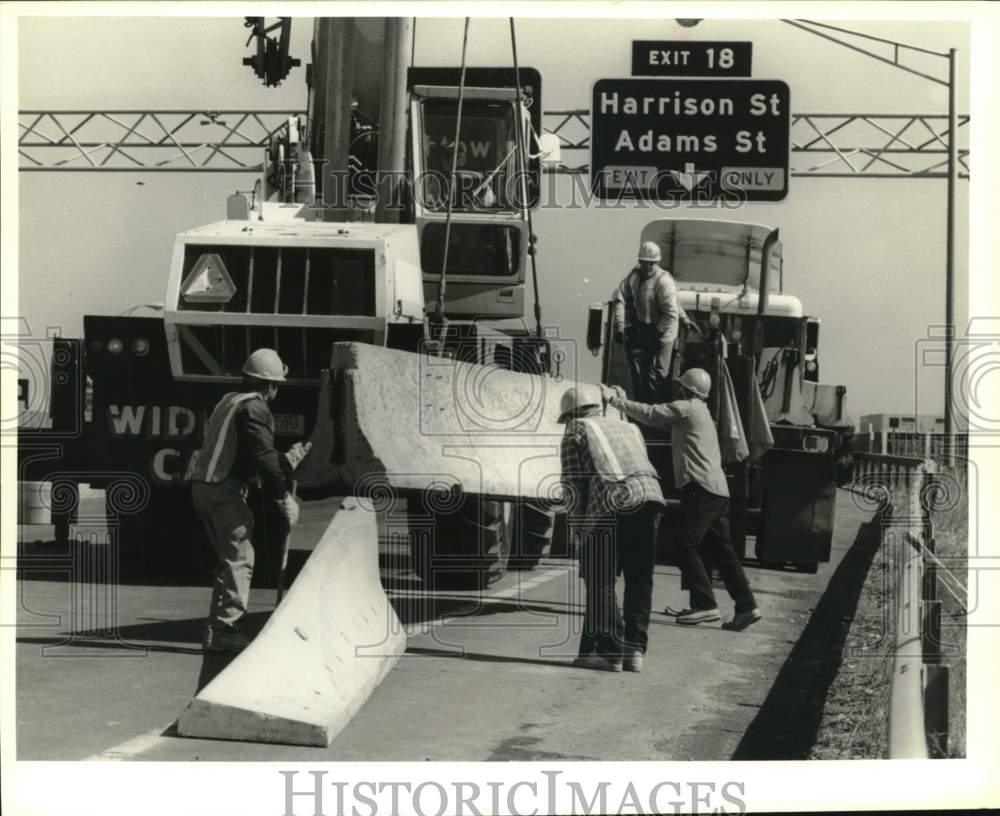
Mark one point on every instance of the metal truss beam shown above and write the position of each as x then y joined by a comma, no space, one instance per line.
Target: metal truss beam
829,145
823,145
147,141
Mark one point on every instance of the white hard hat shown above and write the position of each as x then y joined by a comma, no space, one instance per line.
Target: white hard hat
697,381
265,364
649,251
579,396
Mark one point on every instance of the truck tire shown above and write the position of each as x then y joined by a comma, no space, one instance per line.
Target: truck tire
467,547
532,536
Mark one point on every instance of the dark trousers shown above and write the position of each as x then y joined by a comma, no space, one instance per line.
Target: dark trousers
637,553
603,629
648,363
704,543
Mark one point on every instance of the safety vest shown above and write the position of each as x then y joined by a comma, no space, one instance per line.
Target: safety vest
617,449
218,452
633,282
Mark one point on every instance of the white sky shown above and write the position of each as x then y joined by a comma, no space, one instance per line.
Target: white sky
866,256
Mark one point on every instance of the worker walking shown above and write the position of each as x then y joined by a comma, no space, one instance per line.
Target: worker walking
613,506
239,451
646,320
704,535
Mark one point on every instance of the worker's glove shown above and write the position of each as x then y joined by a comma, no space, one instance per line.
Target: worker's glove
296,454
692,326
612,395
289,510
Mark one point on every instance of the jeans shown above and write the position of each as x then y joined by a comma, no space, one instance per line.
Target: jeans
648,362
229,523
704,543
602,619
637,532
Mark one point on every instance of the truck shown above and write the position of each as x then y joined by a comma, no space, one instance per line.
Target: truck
396,214
730,282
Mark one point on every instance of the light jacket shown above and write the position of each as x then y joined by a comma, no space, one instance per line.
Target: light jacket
650,302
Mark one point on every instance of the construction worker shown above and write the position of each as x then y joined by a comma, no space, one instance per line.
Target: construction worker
239,451
646,318
613,502
704,535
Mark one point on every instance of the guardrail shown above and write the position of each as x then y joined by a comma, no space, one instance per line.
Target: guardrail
872,469
918,695
942,448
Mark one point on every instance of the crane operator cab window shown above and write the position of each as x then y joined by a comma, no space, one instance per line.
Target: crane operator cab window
487,233
487,160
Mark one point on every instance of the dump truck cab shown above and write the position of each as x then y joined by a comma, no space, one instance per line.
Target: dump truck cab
730,282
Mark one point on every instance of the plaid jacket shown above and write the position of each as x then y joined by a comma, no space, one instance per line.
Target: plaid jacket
591,497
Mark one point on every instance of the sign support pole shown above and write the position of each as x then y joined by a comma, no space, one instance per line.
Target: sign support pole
950,247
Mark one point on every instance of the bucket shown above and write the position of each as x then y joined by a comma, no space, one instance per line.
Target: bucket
34,502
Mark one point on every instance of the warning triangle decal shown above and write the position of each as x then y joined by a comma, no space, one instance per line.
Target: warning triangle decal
208,281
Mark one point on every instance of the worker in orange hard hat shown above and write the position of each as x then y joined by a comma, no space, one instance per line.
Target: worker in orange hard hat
646,320
704,535
239,451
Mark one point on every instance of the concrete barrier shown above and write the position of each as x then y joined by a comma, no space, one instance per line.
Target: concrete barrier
321,654
34,503
413,422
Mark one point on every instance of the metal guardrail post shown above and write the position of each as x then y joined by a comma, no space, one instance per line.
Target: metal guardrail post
918,697
907,739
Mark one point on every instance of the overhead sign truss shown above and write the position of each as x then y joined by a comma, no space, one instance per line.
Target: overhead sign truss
868,145
147,140
858,145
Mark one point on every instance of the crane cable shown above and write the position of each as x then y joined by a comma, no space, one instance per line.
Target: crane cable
525,204
443,283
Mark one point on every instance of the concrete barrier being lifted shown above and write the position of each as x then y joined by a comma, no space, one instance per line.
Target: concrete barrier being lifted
411,422
321,654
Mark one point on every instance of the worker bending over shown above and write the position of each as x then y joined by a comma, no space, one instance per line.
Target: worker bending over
704,534
646,320
613,506
239,451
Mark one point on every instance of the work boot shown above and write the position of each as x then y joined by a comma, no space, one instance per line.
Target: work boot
699,616
633,661
225,639
741,620
598,662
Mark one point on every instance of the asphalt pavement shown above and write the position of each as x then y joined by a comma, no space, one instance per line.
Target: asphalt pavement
104,673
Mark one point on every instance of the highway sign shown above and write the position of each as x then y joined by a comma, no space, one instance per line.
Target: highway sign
691,58
690,139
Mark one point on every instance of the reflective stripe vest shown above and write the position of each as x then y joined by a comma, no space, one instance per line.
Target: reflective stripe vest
218,452
617,449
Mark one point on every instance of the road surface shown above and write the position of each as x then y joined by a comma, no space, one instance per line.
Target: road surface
486,675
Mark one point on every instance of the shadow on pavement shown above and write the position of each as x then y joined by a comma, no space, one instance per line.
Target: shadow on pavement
486,658
788,721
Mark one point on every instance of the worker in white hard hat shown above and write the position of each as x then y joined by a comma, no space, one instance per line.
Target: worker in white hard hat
238,452
610,485
646,320
704,535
